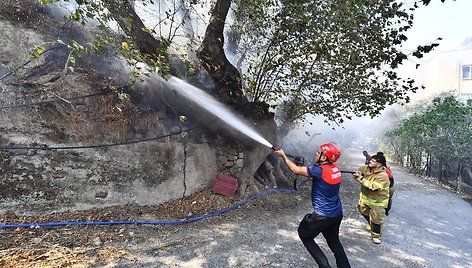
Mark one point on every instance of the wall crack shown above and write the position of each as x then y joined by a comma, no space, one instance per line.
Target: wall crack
185,170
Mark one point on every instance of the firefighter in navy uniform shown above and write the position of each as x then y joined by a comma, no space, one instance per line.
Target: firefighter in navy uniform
327,208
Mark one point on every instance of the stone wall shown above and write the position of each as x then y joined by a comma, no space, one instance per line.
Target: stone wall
145,174
231,160
45,181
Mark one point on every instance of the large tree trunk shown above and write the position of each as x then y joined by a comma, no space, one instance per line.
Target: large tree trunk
211,53
228,84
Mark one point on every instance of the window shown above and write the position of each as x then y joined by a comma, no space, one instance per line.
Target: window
466,72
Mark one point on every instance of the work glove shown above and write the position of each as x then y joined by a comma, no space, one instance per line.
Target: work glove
358,176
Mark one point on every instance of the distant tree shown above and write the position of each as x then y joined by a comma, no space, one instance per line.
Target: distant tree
439,138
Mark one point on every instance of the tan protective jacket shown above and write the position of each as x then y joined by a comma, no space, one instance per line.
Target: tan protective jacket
375,185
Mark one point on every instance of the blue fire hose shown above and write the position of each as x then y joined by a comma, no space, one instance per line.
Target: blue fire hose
55,224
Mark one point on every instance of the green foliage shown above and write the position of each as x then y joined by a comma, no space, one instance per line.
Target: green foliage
46,2
443,132
335,58
96,12
37,51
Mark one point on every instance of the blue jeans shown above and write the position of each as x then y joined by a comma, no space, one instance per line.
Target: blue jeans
311,226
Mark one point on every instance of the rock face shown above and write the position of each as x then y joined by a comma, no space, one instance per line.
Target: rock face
113,152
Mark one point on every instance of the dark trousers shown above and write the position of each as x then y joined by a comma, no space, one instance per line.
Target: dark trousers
311,226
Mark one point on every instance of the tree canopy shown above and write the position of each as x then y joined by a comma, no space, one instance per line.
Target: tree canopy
335,58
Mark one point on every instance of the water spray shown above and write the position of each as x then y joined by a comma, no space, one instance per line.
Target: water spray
210,104
215,107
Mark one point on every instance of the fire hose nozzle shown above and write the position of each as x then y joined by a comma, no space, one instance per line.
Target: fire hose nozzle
299,160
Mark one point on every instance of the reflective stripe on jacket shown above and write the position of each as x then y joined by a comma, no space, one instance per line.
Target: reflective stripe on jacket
375,186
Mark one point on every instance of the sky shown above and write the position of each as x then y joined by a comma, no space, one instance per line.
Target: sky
450,20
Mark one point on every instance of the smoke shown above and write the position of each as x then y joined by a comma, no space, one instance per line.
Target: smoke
356,135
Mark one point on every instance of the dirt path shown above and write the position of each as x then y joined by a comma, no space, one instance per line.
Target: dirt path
429,226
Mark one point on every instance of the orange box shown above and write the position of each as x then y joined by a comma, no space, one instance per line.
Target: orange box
225,185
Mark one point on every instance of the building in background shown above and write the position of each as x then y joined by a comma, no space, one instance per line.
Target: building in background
448,72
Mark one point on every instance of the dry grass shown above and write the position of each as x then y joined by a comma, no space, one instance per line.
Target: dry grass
92,245
53,255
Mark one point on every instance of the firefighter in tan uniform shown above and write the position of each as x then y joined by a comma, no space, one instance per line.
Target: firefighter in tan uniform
374,194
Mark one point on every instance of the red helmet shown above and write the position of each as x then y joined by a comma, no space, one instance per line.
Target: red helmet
332,152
